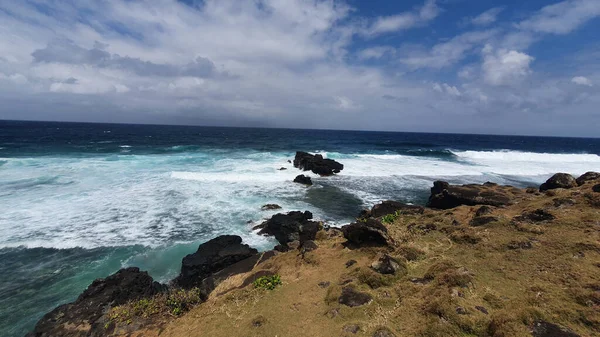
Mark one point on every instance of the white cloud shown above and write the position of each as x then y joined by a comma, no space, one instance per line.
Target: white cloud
580,80
447,53
447,89
269,63
562,17
375,52
504,66
488,17
403,21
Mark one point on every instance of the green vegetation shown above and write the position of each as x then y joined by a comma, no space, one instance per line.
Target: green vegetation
390,218
267,282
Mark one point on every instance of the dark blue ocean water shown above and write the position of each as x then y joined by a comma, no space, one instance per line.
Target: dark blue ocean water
79,201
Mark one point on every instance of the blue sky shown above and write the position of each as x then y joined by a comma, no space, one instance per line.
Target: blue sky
485,66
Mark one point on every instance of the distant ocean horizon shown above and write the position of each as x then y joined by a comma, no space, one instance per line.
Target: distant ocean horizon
81,200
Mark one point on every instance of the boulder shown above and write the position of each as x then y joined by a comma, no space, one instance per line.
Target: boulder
547,329
560,202
559,180
211,257
596,188
538,215
293,226
482,220
270,207
446,196
353,298
304,180
308,246
369,232
484,210
391,207
85,316
588,176
317,164
386,264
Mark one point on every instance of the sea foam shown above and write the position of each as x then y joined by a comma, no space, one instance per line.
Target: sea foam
158,200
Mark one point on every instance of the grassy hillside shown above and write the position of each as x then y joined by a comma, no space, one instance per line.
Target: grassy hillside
537,260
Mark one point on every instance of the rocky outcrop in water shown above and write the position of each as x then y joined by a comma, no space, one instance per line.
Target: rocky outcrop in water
317,164
304,180
559,180
293,226
446,196
211,257
85,316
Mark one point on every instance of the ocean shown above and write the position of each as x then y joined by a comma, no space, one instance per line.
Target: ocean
79,201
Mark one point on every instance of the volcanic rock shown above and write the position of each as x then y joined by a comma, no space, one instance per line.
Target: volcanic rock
391,207
369,232
304,180
85,316
317,164
353,298
293,226
387,265
484,210
482,220
547,329
588,176
211,257
559,180
538,215
270,207
446,196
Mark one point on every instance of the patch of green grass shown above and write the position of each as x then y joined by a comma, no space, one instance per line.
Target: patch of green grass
268,282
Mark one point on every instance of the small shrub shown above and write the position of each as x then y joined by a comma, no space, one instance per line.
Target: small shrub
267,282
389,218
180,300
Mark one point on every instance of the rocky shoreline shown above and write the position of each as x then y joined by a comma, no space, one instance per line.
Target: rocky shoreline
375,232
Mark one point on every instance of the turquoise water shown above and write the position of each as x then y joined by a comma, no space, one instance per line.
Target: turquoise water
80,201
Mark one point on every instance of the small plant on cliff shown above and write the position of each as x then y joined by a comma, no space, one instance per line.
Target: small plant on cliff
390,218
180,300
267,282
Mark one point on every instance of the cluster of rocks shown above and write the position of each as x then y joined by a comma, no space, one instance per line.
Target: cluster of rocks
89,308
317,164
290,227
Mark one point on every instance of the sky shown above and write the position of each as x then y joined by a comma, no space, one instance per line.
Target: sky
528,67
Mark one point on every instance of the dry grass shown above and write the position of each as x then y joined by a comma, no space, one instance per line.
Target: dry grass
460,281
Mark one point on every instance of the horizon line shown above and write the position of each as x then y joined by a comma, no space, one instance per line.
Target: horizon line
288,128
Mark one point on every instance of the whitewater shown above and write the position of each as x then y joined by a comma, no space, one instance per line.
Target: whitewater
153,200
